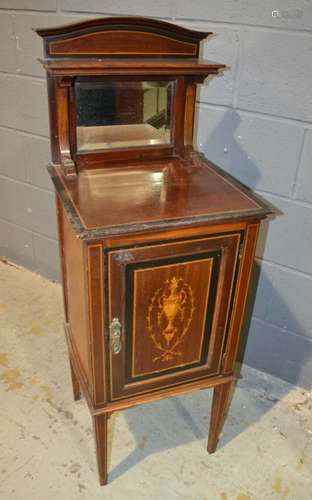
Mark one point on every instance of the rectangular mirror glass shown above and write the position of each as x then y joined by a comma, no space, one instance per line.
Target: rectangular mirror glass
123,114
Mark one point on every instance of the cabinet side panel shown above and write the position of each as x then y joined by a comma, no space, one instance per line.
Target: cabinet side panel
241,294
76,294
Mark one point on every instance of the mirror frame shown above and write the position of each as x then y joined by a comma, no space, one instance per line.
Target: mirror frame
112,117
93,158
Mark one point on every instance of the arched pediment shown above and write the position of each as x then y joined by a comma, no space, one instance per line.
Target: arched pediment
121,36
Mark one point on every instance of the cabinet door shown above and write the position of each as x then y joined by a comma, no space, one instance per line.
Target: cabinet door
170,304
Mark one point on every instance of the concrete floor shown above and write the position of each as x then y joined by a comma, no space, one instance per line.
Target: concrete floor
156,450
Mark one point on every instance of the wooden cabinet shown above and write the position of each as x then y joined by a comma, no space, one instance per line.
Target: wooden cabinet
157,243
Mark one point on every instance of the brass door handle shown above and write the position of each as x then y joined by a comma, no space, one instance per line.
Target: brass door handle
115,336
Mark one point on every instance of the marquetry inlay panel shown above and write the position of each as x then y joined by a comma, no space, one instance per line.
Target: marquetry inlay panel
165,327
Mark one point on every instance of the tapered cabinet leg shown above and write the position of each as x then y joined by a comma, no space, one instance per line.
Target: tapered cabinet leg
100,431
221,397
75,383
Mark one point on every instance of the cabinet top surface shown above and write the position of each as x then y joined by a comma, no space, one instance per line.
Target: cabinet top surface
139,196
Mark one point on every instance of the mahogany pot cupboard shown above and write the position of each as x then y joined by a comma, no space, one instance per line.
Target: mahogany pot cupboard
157,243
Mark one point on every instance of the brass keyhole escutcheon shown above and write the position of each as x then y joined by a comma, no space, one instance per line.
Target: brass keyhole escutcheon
115,336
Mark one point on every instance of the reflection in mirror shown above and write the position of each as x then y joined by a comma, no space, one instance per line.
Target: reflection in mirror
123,114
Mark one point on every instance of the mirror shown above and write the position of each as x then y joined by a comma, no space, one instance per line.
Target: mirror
123,114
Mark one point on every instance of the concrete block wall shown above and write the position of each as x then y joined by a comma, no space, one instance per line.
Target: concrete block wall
254,121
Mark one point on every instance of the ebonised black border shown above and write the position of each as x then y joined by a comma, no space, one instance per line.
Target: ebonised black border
130,268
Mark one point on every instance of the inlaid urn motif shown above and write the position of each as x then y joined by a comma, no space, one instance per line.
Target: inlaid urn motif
169,317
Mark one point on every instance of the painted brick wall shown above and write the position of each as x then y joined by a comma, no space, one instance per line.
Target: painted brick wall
254,121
